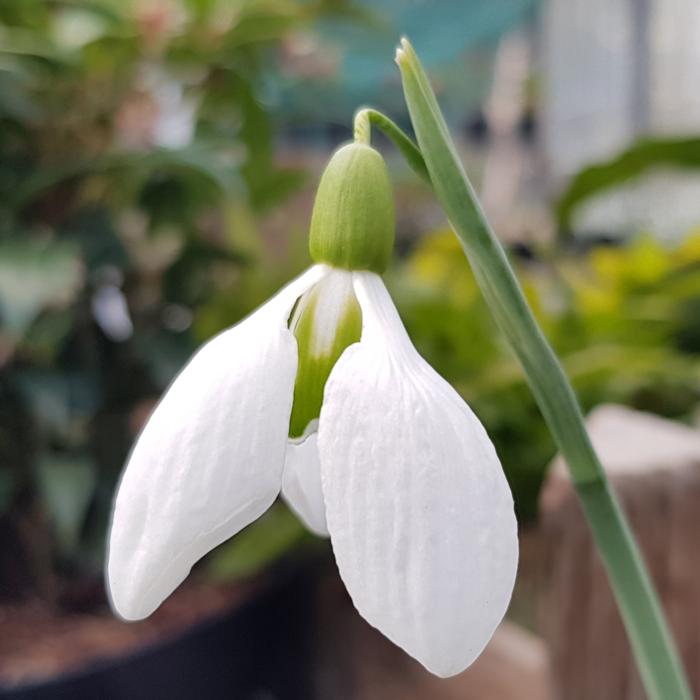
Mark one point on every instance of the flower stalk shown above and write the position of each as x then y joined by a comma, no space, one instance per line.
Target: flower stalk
367,117
652,644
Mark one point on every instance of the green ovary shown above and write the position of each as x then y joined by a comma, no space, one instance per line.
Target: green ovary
326,321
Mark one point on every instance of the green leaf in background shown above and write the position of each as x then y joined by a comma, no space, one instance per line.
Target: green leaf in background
66,484
210,169
62,403
266,182
34,276
249,551
640,158
16,101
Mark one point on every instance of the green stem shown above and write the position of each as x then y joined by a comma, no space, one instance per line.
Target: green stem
362,127
653,647
366,117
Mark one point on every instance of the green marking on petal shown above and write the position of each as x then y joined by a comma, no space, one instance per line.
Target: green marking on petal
326,321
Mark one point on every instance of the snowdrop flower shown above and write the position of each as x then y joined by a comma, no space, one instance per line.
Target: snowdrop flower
320,394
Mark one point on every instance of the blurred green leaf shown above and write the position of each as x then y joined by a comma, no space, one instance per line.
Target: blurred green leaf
66,484
61,402
214,164
258,545
16,100
45,337
265,21
189,279
640,158
34,276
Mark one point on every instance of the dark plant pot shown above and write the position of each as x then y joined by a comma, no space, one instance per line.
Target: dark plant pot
260,650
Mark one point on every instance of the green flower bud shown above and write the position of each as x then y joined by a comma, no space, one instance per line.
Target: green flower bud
352,225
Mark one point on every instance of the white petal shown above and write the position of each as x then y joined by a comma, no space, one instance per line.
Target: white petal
301,482
419,511
210,458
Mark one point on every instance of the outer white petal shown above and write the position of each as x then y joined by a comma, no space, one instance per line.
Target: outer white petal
210,458
419,511
301,483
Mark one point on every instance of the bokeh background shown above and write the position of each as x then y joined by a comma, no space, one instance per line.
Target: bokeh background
158,160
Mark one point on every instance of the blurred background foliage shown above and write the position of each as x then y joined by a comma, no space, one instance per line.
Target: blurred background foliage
140,169
645,155
135,156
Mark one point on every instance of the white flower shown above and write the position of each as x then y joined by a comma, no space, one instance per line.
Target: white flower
396,468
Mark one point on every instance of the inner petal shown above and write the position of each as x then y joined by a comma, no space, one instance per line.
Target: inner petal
326,320
301,483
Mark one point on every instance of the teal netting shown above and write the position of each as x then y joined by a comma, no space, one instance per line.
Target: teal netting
455,39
